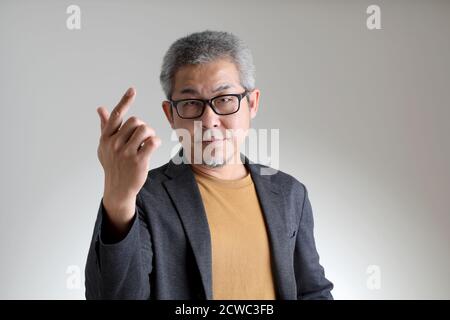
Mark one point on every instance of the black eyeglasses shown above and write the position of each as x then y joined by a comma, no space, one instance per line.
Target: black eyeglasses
222,105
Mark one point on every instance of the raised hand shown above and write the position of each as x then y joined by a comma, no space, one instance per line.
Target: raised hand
124,152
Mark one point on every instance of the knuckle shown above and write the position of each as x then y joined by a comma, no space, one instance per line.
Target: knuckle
146,130
154,141
115,113
138,132
149,141
136,160
134,121
127,153
115,145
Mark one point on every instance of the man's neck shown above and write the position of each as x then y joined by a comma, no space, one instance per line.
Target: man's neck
232,171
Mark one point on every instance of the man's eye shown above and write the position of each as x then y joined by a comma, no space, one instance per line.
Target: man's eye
191,103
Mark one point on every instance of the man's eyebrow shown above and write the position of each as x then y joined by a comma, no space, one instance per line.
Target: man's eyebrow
223,87
189,90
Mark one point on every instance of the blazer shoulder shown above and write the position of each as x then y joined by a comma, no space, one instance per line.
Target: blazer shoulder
158,172
283,180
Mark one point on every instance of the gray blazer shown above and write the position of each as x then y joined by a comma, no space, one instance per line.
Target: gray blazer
167,252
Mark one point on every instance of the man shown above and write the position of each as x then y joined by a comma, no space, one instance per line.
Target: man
211,226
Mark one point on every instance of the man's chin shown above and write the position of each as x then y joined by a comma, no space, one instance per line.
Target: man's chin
217,161
213,164
213,161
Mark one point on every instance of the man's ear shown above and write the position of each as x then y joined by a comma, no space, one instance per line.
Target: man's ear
168,111
254,102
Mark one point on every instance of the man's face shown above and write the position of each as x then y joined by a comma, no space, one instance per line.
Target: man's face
219,137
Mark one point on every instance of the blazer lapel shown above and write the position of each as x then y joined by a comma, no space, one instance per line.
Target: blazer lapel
272,203
184,192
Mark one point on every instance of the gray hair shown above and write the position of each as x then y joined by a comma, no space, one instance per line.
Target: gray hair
204,47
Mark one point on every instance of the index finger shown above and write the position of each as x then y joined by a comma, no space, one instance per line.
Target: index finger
118,112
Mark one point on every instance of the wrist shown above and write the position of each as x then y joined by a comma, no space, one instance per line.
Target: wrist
119,210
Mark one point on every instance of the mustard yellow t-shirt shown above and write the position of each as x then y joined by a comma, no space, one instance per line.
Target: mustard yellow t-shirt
241,265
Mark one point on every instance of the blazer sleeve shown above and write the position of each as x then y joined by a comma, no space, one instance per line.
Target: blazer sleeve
309,274
120,270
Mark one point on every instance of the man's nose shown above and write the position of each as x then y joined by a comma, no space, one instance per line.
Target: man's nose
209,118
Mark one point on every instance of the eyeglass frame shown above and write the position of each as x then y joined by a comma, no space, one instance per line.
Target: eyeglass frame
240,96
